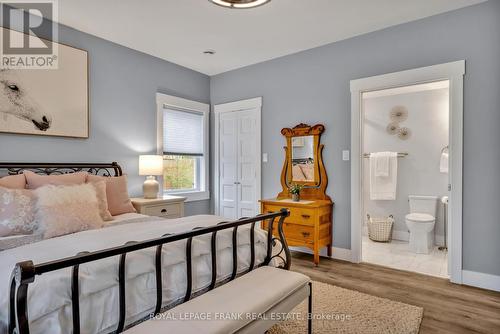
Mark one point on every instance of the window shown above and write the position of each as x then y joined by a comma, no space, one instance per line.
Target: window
184,145
180,173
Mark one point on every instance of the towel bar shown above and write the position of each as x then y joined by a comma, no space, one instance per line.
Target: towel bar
400,154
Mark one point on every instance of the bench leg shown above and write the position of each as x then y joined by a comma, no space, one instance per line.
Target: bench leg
309,309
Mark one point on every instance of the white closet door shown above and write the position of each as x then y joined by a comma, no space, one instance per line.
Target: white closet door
247,157
239,163
228,166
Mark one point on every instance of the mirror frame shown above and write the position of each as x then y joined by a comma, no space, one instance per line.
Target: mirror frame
315,189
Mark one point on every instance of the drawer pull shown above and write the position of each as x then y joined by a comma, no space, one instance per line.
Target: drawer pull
163,210
306,234
306,216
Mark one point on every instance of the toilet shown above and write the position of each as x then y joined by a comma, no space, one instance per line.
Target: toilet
420,222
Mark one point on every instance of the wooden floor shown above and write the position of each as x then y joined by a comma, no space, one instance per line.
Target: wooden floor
448,308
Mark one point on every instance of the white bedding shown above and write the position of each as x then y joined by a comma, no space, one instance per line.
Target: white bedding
49,297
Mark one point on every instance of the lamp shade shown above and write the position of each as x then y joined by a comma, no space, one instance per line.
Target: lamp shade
150,165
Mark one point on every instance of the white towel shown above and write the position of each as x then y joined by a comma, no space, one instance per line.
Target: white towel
381,163
383,187
443,162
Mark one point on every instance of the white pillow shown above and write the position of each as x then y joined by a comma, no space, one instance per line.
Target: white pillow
66,209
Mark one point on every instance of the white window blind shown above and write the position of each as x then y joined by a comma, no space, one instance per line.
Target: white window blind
182,132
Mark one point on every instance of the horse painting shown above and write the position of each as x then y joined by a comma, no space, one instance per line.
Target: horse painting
16,101
46,101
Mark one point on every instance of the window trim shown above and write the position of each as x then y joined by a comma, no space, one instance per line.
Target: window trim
168,101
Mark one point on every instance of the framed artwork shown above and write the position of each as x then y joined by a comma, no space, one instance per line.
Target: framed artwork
47,102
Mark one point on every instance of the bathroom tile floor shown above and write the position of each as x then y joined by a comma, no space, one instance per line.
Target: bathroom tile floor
395,254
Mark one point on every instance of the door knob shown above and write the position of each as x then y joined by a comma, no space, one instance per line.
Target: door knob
237,183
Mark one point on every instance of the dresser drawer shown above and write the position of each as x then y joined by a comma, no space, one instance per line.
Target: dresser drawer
297,232
163,210
303,216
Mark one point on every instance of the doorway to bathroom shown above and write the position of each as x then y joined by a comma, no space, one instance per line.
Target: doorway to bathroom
406,168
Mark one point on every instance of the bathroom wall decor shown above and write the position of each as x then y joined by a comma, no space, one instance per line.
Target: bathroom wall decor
392,128
399,114
404,133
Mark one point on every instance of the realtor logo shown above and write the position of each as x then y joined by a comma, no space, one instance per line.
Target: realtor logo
29,34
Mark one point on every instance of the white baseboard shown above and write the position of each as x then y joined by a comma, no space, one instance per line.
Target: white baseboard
481,280
343,254
337,253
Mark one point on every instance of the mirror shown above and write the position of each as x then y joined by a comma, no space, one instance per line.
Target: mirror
304,162
303,159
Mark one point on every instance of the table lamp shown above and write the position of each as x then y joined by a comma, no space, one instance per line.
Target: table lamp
150,165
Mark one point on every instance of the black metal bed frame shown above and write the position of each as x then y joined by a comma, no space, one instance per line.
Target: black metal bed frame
103,169
25,272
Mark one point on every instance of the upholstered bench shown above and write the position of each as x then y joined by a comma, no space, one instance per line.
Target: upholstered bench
251,303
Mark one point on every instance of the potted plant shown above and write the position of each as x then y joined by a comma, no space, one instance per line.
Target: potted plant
295,189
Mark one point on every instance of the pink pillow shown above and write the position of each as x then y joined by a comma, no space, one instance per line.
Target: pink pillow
17,212
297,174
62,210
102,201
35,181
116,193
308,170
13,181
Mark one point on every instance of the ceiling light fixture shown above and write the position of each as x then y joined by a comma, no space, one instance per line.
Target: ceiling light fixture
240,4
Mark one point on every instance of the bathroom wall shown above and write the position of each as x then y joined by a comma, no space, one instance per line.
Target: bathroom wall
418,173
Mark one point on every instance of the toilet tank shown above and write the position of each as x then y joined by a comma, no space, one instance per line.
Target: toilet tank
423,204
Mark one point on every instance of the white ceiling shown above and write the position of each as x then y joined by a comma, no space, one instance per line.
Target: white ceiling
180,30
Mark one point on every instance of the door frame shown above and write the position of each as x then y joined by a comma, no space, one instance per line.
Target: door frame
254,103
454,72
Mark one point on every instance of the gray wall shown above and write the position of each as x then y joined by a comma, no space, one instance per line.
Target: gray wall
418,173
123,84
313,87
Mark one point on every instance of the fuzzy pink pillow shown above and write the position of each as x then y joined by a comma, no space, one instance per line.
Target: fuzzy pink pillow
35,181
17,215
62,210
116,193
13,181
102,201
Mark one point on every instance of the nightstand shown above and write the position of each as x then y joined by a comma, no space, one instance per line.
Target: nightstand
165,207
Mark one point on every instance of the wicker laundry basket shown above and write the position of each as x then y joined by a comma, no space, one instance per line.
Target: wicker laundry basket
380,229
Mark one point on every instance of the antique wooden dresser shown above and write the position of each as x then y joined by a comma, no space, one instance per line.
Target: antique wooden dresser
310,223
